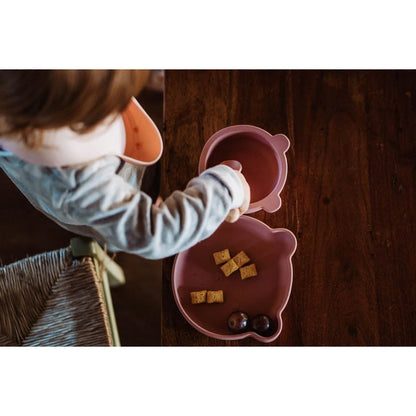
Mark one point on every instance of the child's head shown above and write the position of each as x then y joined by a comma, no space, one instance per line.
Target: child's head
35,100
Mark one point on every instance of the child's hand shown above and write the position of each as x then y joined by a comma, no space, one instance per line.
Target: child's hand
236,213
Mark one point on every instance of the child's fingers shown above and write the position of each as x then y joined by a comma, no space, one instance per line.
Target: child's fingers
236,213
246,188
233,215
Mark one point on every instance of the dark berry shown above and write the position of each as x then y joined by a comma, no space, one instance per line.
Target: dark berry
261,324
238,321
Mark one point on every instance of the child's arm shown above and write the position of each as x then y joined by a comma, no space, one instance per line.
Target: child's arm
127,220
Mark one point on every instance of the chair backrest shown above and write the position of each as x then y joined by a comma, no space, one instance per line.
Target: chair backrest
52,299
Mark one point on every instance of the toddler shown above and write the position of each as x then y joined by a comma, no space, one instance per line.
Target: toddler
102,198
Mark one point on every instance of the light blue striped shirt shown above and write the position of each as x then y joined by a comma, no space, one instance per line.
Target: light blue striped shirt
103,200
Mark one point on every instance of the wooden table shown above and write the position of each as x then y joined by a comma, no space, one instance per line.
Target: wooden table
349,197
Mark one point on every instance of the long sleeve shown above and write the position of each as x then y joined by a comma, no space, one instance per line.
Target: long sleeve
126,219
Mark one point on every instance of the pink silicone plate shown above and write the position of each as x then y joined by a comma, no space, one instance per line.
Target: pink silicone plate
267,293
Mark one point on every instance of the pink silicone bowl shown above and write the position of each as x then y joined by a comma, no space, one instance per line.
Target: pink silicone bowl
262,157
267,293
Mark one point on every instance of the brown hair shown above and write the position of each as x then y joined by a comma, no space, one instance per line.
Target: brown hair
34,100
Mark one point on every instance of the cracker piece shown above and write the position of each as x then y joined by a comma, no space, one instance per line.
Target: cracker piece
241,258
229,267
221,256
248,271
199,297
215,296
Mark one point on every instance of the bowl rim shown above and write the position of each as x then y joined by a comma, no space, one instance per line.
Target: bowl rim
252,334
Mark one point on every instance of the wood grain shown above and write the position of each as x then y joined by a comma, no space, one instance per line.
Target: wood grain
349,196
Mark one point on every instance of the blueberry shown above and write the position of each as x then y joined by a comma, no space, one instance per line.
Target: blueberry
261,324
238,322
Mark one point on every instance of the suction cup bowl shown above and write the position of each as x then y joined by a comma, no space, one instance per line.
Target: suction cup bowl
262,157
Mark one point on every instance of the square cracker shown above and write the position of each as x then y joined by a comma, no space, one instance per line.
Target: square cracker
199,297
215,296
241,258
229,267
248,271
221,256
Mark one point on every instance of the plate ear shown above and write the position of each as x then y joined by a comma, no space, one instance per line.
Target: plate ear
281,142
289,241
272,203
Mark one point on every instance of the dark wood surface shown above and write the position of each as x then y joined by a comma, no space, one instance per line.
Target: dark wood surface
349,196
